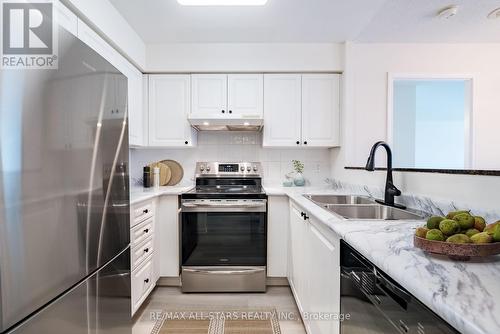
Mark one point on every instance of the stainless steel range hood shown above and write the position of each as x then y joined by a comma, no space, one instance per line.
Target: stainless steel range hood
227,124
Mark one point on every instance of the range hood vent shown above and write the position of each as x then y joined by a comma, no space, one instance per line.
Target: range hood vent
227,124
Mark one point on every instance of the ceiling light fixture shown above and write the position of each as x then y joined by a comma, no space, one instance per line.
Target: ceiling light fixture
495,14
222,2
448,12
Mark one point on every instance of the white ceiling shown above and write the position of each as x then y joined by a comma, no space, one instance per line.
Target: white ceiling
310,21
416,21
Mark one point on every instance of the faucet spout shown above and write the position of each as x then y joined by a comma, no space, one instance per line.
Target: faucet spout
390,189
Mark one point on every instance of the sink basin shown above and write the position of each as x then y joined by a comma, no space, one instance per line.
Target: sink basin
339,199
374,211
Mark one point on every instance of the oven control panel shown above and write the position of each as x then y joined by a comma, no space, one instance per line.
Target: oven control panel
229,169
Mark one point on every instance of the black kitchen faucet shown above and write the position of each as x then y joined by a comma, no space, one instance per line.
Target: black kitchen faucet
390,189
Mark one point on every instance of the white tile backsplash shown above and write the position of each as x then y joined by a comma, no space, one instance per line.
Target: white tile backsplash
235,147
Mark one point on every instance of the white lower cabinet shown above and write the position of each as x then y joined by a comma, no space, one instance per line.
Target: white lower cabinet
143,252
142,283
167,235
277,228
314,271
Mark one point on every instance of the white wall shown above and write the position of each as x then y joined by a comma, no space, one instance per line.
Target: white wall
365,113
369,64
235,147
249,57
103,17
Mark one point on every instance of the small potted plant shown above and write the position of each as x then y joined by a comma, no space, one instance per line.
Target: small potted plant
298,167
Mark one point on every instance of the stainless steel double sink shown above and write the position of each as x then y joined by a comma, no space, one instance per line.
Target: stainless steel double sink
361,208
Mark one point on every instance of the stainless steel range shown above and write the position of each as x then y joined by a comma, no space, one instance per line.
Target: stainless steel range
224,229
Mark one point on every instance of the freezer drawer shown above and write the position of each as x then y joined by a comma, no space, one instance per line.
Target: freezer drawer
99,304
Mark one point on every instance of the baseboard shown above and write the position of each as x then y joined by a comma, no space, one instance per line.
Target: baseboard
169,281
277,281
176,281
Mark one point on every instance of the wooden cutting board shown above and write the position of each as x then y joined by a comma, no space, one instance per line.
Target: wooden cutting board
165,172
177,171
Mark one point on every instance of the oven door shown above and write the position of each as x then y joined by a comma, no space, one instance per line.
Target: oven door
224,245
224,233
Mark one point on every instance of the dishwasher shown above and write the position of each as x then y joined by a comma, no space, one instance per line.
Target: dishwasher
372,302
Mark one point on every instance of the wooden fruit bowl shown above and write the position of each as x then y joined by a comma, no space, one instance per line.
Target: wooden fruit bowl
462,252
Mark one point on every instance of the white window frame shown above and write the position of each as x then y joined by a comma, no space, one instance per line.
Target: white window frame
469,118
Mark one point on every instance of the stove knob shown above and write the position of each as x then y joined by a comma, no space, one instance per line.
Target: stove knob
242,168
249,169
255,168
202,168
208,168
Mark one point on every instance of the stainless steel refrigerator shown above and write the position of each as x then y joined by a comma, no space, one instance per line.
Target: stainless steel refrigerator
64,199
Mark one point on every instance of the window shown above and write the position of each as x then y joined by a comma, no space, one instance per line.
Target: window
430,122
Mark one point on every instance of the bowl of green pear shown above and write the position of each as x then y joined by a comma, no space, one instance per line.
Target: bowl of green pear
460,235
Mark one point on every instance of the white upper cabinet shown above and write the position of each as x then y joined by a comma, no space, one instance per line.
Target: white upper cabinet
136,117
227,96
321,110
282,110
169,107
301,110
245,95
209,95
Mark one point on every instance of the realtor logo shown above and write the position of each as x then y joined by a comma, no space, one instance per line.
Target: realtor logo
29,37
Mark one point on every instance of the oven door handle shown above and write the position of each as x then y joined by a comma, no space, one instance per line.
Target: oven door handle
224,272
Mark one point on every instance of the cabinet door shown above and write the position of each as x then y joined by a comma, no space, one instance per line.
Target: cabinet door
167,234
297,271
277,246
209,95
246,95
321,110
135,110
324,281
168,111
282,110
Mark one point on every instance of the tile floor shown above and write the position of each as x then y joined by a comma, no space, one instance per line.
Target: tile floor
171,298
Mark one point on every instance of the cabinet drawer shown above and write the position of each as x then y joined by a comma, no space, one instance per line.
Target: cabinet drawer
141,252
141,212
142,281
141,232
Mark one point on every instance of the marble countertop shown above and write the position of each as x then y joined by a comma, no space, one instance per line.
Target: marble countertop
465,294
139,194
